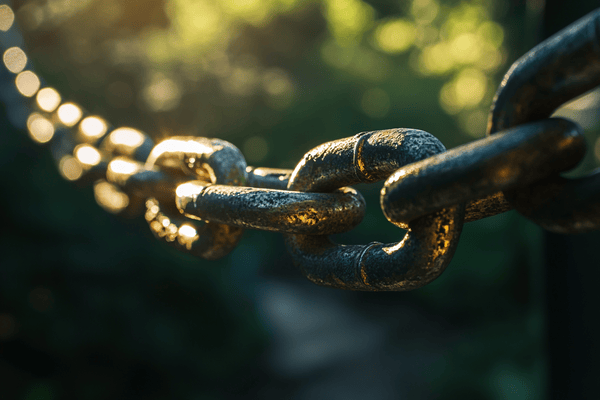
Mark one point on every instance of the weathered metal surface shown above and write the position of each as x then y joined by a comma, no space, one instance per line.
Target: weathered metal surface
211,161
426,193
418,259
268,178
484,207
554,72
272,210
515,158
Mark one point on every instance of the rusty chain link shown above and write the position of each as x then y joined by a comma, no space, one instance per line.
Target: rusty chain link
198,194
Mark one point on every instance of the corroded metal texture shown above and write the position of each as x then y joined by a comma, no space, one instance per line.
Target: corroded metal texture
515,158
272,210
552,73
556,71
489,206
210,161
418,259
268,178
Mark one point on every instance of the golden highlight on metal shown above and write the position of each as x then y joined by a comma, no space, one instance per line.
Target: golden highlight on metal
198,194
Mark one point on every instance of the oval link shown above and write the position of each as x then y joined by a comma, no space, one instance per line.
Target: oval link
211,161
272,210
418,259
517,157
554,72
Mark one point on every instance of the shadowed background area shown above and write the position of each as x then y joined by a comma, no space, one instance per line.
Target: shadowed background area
93,307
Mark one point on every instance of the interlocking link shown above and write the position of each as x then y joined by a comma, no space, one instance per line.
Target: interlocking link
211,161
427,247
272,210
516,158
428,191
554,72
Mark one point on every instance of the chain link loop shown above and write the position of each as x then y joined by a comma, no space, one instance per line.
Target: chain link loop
428,191
211,161
418,259
272,210
516,158
554,72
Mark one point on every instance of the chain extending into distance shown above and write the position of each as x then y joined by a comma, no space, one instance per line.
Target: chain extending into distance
199,194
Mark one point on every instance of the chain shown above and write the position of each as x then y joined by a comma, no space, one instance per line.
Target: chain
198,194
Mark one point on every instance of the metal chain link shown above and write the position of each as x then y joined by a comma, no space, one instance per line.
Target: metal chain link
199,195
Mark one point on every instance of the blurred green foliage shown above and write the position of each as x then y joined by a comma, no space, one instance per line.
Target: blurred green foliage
92,307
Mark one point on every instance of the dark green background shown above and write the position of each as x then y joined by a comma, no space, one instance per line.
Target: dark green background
102,310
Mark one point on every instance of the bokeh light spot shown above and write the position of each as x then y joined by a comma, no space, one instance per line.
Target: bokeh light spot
162,95
40,128
465,91
69,114
87,155
109,197
128,137
48,99
436,59
7,17
120,169
27,83
70,168
187,230
425,11
123,167
470,87
466,48
348,19
93,127
492,33
187,235
15,59
277,82
395,36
